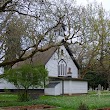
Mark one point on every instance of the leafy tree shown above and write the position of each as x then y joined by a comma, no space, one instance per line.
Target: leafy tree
26,77
94,79
15,30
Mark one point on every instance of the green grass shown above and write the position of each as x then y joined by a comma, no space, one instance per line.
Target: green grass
8,97
74,101
63,102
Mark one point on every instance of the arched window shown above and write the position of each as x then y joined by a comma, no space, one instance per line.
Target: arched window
62,68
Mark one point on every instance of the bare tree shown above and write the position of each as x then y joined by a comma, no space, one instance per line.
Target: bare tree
93,53
40,19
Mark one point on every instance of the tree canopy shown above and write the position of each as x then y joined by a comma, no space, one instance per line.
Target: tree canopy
33,24
27,77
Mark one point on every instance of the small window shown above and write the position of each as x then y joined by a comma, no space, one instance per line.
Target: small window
42,1
59,32
62,53
58,53
55,33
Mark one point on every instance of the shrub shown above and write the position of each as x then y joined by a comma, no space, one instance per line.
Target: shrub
83,106
6,90
23,96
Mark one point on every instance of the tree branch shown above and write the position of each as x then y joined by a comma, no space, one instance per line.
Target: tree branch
4,5
25,14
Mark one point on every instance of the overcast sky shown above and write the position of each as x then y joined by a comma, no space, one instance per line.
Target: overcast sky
105,3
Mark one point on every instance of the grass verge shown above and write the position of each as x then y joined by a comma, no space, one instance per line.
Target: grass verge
93,101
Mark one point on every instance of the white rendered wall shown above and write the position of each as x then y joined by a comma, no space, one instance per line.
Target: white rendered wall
53,91
70,87
49,91
6,85
52,64
58,89
74,87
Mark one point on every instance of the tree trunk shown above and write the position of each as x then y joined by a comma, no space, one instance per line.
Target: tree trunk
26,98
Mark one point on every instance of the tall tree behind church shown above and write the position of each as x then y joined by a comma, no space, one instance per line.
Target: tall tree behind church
13,35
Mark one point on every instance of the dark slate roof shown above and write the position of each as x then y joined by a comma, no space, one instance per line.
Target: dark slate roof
52,84
71,55
39,58
43,57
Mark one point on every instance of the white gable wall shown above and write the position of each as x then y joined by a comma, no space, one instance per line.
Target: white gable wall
52,64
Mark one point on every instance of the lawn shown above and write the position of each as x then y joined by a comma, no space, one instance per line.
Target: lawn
63,102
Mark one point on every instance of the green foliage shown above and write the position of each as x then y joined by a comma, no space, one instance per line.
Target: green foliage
7,97
25,77
62,102
94,79
6,90
22,97
83,106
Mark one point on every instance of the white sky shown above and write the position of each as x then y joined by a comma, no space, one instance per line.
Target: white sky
105,3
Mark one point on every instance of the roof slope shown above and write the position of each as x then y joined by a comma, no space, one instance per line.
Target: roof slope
71,55
39,58
52,84
43,57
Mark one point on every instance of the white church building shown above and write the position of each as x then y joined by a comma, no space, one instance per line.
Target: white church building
64,74
63,71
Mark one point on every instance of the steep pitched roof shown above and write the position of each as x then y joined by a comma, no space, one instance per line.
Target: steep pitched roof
43,57
39,58
71,55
